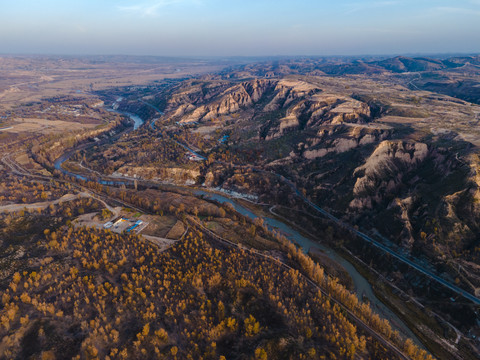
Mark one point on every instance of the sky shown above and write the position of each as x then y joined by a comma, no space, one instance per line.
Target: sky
240,27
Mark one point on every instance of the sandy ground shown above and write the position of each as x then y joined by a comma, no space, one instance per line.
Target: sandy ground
44,126
162,243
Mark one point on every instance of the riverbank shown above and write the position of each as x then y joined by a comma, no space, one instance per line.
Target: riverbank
362,287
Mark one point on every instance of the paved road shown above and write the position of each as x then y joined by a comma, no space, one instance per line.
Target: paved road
191,151
413,85
12,165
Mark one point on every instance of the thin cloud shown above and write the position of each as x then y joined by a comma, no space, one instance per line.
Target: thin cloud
152,8
455,10
357,7
81,29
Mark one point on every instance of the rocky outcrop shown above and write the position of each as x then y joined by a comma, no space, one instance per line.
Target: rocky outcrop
195,93
257,88
337,110
351,111
229,101
336,140
474,163
209,179
405,206
286,123
315,111
338,146
384,171
183,109
385,167
299,104
288,91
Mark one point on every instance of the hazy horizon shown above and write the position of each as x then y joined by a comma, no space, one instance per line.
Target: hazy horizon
248,58
200,28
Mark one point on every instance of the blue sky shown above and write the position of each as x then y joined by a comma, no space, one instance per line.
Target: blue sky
245,27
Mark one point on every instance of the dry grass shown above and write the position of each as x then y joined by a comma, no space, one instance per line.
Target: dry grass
48,77
176,231
158,226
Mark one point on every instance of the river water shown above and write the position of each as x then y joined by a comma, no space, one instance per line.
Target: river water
362,286
137,121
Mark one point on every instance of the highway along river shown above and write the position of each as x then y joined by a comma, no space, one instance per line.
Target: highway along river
362,286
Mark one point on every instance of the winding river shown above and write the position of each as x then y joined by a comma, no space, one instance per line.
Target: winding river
361,285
